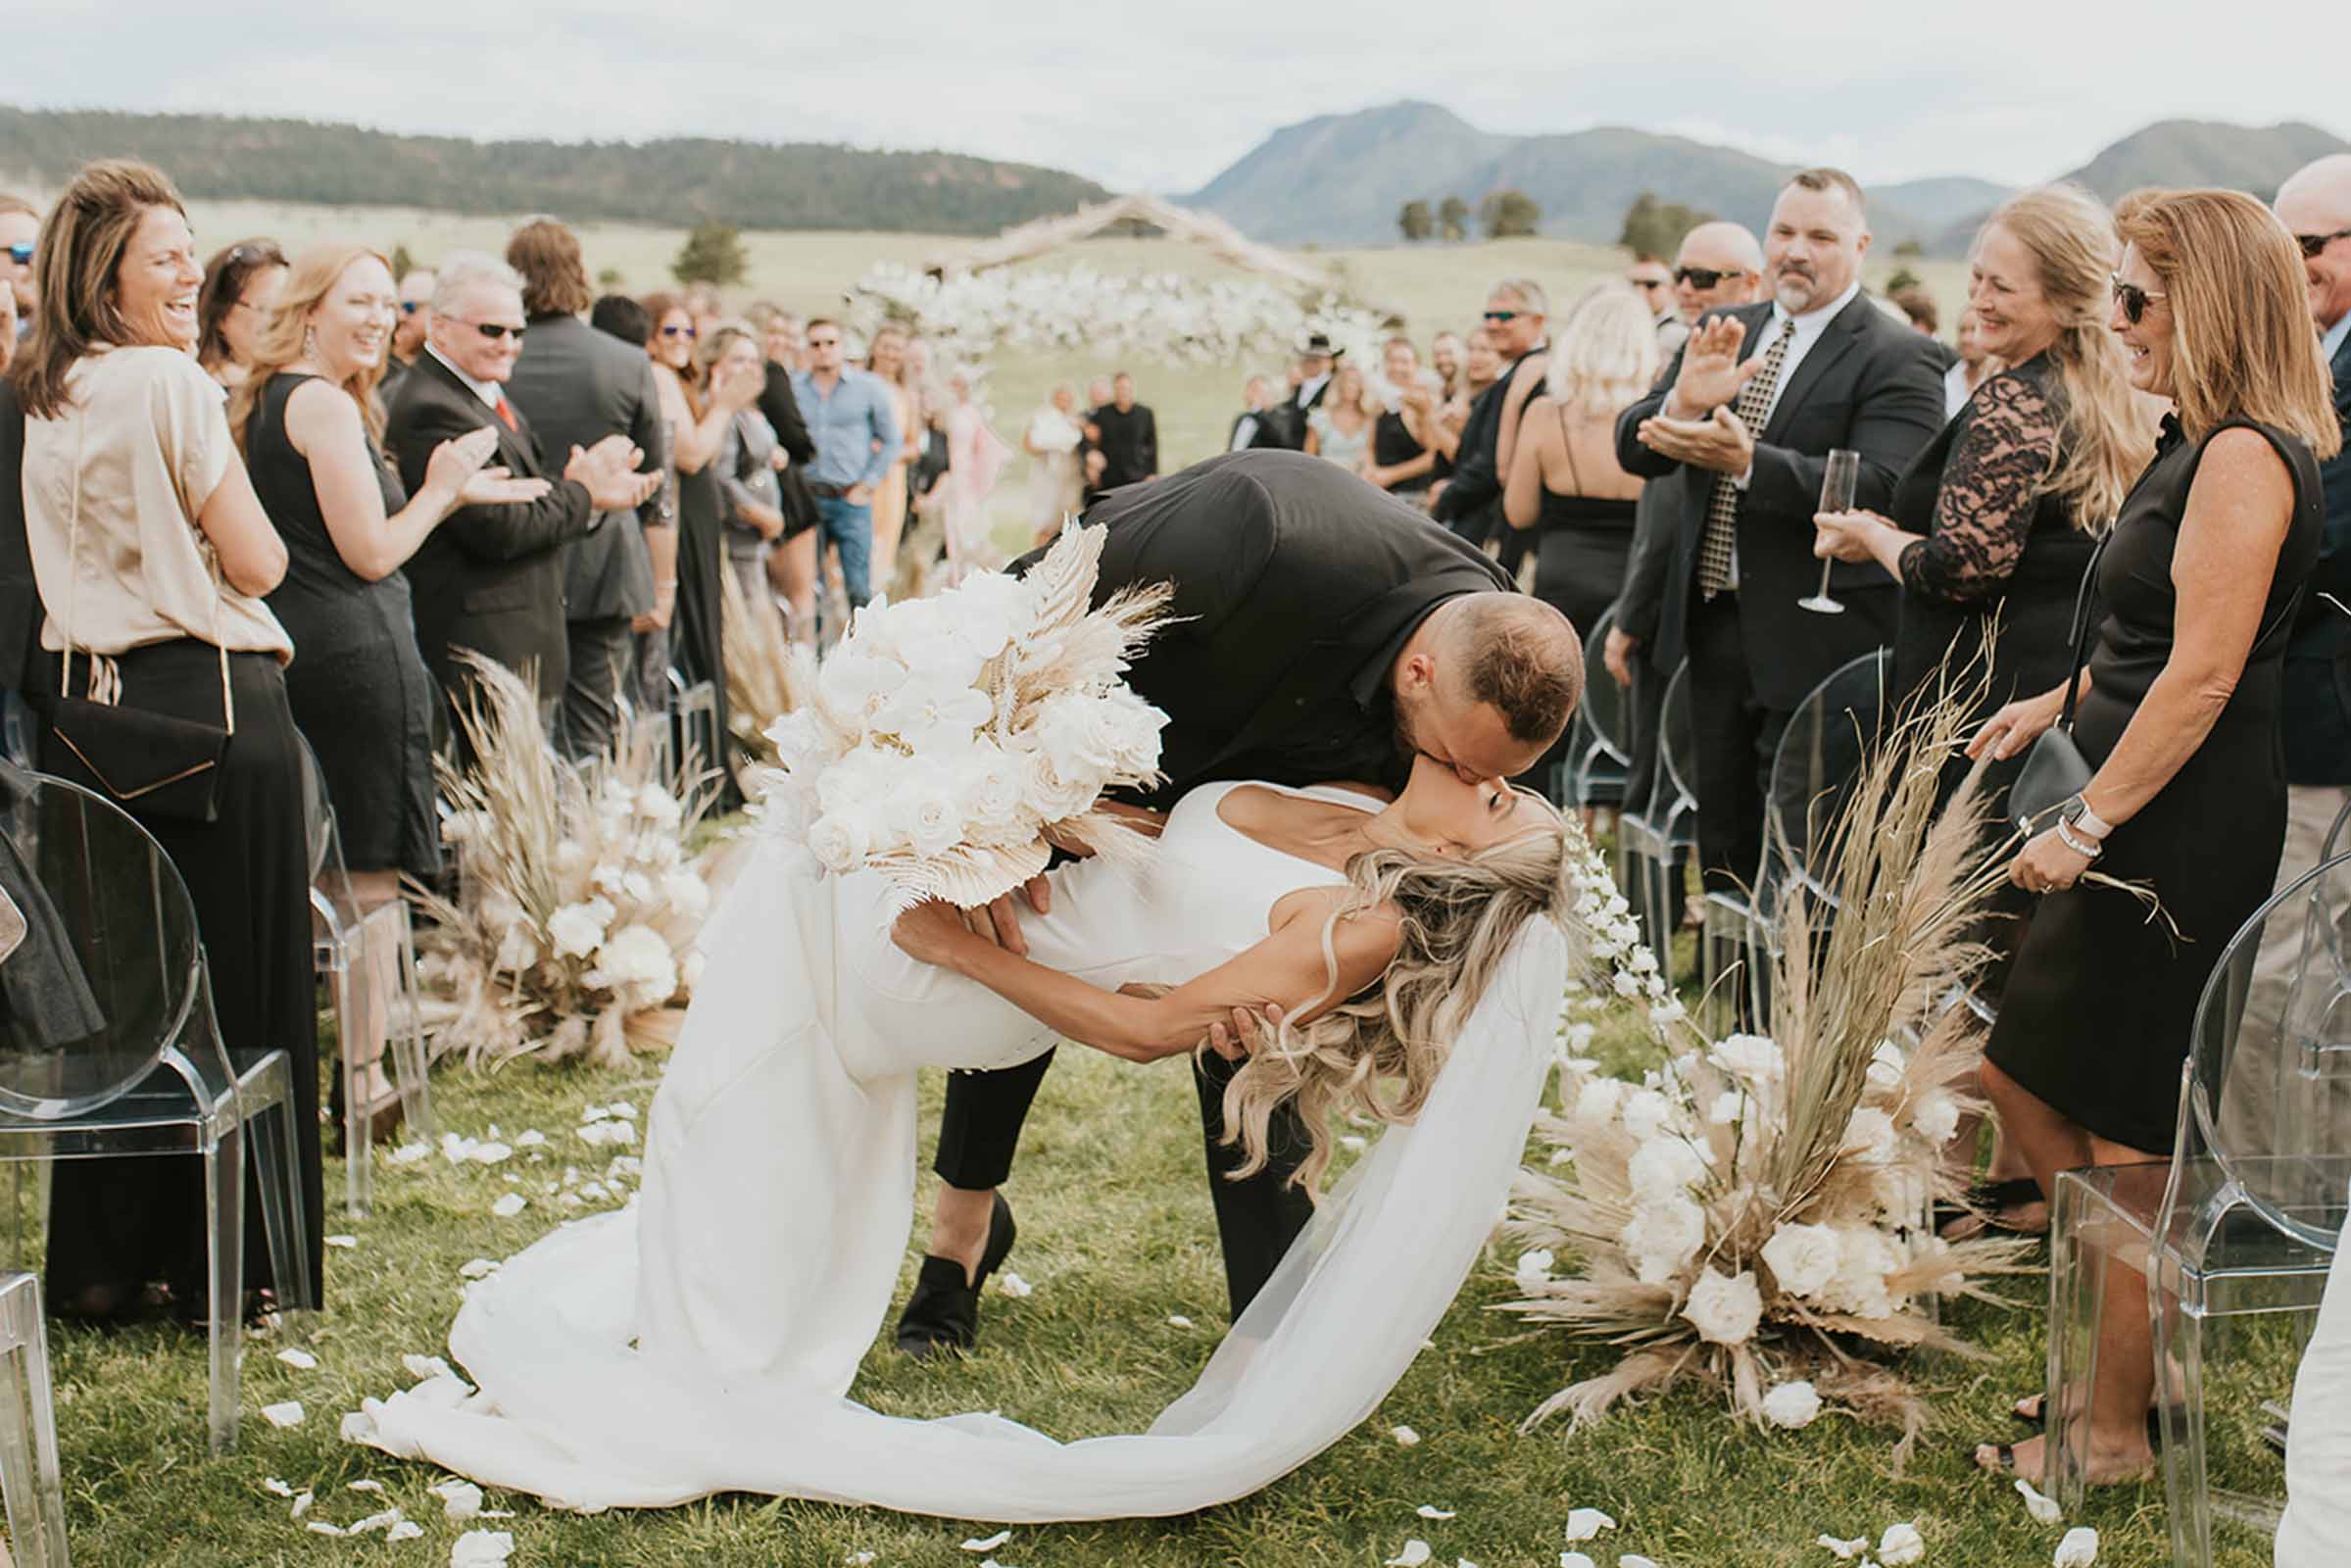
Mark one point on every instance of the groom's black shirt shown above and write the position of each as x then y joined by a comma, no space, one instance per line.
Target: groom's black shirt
1297,585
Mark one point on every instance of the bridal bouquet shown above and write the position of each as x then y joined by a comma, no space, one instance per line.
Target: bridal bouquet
1755,1210
946,738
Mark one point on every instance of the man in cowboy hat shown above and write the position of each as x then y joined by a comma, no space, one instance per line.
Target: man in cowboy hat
1316,357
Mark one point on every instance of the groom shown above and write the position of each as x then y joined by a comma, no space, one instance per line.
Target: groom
1324,631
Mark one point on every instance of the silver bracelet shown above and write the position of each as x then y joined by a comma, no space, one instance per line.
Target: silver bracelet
2065,836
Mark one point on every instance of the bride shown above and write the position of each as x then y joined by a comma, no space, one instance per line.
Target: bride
704,1341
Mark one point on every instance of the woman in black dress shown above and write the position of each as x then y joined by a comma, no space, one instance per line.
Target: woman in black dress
309,424
1403,462
1564,479
2178,716
128,459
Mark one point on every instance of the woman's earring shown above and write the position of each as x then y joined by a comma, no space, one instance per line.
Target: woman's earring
310,342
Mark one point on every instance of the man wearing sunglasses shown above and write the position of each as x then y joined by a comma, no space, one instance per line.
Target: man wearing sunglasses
1470,502
20,227
1653,281
409,326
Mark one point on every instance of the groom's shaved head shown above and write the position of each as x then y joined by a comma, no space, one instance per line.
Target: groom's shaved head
1518,655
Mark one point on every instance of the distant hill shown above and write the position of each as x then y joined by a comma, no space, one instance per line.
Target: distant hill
676,183
1341,180
1943,199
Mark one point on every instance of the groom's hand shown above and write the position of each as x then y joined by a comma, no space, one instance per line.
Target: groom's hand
1249,1029
1001,923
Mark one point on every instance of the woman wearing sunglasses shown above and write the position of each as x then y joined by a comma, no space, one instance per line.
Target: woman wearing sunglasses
240,285
2179,707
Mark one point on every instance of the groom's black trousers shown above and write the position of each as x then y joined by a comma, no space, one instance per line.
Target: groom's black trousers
1257,1218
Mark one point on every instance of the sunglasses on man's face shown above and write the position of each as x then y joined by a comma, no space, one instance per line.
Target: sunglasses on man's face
2135,300
1706,277
411,307
22,254
1503,316
1648,284
494,330
2313,244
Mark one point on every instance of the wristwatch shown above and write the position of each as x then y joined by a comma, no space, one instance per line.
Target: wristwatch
2075,813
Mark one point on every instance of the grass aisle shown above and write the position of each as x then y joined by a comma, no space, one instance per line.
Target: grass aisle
1116,1237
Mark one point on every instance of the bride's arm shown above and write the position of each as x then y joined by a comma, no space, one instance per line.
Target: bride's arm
1287,970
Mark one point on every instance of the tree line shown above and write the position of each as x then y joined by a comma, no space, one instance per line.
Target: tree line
673,184
1651,227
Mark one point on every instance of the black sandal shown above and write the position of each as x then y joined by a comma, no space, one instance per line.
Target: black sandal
944,1310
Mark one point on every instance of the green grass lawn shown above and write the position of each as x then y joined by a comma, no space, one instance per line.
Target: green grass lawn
1116,1236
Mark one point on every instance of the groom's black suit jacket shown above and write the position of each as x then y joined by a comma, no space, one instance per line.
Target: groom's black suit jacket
1298,584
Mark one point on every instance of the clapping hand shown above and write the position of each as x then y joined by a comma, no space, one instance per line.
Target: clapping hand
1711,373
1718,442
609,470
736,386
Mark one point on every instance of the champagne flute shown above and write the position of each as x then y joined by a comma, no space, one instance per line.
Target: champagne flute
1839,481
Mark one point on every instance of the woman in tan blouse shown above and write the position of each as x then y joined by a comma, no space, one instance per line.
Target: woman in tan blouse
151,555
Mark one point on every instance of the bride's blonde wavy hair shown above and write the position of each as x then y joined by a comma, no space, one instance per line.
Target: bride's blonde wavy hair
1380,1052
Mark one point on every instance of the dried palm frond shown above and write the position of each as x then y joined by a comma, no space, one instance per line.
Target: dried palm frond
764,678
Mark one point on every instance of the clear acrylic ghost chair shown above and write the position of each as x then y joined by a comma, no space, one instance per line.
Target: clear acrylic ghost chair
1653,837
368,959
29,1475
109,1046
2234,1236
1591,772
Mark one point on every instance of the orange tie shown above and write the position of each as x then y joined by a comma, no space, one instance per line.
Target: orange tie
506,414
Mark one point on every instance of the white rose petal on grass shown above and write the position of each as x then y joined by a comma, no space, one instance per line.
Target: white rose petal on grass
1633,1560
1353,1142
1583,1524
2044,1509
508,1205
299,1360
273,1484
404,1530
374,1522
859,1559
362,1486
1405,1437
478,1268
459,1499
1014,1286
1534,1266
1844,1550
1177,1321
1576,1559
426,1367
289,1414
320,1527
1429,1510
491,1153
481,1549
1791,1405
1900,1545
988,1544
345,1241
530,1138
2079,1548
302,1505
409,1153
1415,1552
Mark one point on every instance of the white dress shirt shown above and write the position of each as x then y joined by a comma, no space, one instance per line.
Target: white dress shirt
1308,387
487,391
2330,341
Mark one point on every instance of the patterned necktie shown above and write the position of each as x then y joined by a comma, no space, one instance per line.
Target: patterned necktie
1722,505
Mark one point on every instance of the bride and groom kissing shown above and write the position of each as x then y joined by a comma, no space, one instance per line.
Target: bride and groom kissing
1348,690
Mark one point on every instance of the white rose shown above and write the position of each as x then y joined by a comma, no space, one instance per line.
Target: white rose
516,952
1865,1258
930,820
1598,1104
659,804
1534,1266
1791,1405
798,741
1757,1058
1870,1136
1647,1112
1723,1308
1886,1064
1900,1545
1074,731
570,856
1727,1107
1663,1168
1934,1117
577,928
1663,1237
689,895
1054,795
988,783
1803,1258
499,909
840,840
637,962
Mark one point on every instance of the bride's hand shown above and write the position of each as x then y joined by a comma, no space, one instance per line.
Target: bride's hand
931,931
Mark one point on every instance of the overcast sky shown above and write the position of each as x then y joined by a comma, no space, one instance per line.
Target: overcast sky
1163,96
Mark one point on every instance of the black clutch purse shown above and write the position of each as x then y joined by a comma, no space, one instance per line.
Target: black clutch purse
155,764
2055,771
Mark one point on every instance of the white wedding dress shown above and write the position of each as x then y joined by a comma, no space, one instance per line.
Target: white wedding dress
704,1339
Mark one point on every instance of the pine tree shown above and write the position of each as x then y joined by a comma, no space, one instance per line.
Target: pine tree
1415,221
713,253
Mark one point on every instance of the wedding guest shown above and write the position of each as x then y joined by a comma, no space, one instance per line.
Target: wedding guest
239,284
886,359
1919,308
1741,453
579,386
1256,425
491,577
1130,436
1470,501
1309,381
2178,720
1444,358
791,559
1403,456
1565,481
19,237
1971,367
974,458
1655,282
1479,369
407,334
311,429
753,507
129,460
854,423
1719,265
618,315
703,308
1340,428
1052,442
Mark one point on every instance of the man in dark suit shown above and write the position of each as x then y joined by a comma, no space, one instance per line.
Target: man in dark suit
1324,631
1129,436
1256,427
1737,437
577,386
1470,501
490,578
1308,382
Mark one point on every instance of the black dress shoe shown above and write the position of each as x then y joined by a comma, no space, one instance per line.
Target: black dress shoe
944,1311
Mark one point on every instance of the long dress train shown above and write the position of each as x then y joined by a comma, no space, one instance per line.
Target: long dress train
703,1340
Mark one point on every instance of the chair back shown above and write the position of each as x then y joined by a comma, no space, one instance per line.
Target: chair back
1602,710
1677,739
2335,844
107,979
2266,1089
1817,759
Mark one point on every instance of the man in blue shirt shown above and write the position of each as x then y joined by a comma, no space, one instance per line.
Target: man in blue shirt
854,426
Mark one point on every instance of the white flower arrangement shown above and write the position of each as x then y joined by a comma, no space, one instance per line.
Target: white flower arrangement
1755,1210
575,928
946,738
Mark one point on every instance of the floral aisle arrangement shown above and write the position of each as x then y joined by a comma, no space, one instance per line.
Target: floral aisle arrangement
1163,316
578,907
1754,1213
947,738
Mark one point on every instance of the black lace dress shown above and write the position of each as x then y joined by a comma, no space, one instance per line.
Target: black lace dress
2095,1018
1393,443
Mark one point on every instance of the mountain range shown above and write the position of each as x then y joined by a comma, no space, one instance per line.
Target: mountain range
1289,189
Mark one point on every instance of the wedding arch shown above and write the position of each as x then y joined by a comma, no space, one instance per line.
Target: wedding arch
1041,236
